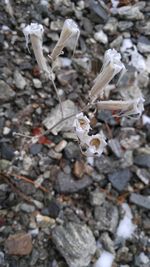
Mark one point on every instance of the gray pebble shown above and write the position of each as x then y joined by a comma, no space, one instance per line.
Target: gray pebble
6,93
106,217
35,149
72,151
20,81
2,260
142,160
143,45
140,200
97,198
66,184
124,25
119,179
130,13
107,242
75,242
27,208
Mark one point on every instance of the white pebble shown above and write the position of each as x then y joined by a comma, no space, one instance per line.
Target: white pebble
101,37
6,131
37,83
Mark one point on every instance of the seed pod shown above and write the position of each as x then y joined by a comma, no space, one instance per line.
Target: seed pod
69,30
112,65
130,108
36,36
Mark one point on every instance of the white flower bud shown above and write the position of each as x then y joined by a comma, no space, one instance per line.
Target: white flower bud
112,65
81,125
69,30
36,36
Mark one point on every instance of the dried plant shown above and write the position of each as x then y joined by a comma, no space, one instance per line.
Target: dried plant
91,145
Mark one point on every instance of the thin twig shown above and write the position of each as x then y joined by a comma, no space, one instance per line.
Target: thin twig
16,190
56,91
29,181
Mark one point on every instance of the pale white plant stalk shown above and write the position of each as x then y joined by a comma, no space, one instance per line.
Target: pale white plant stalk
69,30
112,65
128,108
35,31
9,8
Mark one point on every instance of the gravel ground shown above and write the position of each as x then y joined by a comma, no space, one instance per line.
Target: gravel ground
57,209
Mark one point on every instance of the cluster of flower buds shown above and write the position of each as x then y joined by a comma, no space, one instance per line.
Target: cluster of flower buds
90,145
112,66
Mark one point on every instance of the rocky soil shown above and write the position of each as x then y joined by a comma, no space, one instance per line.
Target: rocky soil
57,208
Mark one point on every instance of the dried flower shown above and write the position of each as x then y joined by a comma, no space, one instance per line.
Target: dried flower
69,30
81,125
95,145
112,65
130,108
36,36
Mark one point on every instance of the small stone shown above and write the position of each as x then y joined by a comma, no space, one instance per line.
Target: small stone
99,10
62,62
142,259
55,116
4,164
60,146
106,217
143,27
56,25
143,175
67,185
130,13
7,151
107,242
139,200
53,209
35,149
87,25
44,221
75,242
111,25
120,179
97,198
78,169
2,258
116,43
127,159
115,147
143,45
125,25
54,155
65,77
37,83
27,208
20,82
101,37
27,163
6,130
83,63
34,257
106,116
142,160
72,151
19,244
6,93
